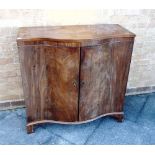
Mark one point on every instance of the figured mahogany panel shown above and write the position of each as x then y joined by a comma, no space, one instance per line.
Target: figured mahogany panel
50,82
63,83
103,78
33,71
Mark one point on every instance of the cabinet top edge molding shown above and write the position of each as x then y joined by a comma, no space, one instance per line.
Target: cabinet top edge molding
73,33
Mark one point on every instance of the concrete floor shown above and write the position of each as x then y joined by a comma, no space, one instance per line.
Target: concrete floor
137,128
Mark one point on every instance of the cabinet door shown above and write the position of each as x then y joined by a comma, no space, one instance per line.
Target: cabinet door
50,80
94,81
63,83
103,77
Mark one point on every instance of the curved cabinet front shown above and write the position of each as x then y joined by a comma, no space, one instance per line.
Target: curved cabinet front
74,81
50,80
103,78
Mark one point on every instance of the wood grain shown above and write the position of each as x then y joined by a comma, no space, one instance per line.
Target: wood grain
34,80
103,78
50,81
94,81
63,84
74,74
86,35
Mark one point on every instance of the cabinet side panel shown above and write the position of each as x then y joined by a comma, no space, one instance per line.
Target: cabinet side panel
33,70
94,81
121,52
63,83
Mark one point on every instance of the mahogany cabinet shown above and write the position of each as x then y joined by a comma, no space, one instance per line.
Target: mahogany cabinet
74,74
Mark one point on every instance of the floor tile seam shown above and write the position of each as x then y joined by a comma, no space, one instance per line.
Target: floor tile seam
48,140
93,132
19,115
63,138
142,108
58,135
5,116
2,118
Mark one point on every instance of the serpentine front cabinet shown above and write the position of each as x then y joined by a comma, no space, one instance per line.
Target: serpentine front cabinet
74,74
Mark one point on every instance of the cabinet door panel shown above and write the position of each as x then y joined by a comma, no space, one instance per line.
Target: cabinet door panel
94,82
103,78
50,81
63,83
34,79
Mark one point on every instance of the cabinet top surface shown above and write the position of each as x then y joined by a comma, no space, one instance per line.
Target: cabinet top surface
74,32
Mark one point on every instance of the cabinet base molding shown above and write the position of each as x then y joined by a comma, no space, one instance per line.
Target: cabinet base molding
119,116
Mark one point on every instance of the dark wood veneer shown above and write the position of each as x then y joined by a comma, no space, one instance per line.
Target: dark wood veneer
74,74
